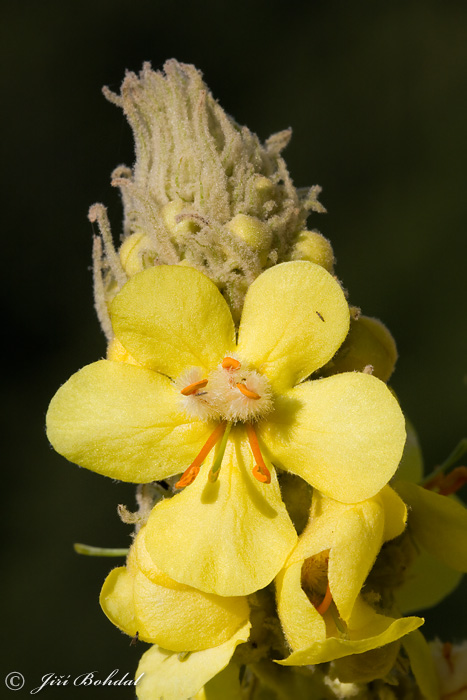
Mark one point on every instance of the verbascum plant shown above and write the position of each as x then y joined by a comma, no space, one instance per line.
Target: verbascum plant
284,528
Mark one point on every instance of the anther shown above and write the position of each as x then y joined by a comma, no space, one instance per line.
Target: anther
190,474
230,363
247,392
453,481
260,470
325,603
447,484
193,388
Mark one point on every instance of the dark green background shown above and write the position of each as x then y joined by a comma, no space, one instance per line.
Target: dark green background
376,95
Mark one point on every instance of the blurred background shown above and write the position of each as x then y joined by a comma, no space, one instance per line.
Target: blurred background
376,95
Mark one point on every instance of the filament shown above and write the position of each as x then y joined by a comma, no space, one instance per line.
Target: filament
190,474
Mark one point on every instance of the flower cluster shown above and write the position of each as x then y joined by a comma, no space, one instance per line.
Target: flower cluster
276,563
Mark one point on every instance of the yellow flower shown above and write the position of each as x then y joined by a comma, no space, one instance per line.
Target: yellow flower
140,599
174,676
194,633
323,614
437,526
185,385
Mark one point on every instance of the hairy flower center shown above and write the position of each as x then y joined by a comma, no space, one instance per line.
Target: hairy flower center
231,393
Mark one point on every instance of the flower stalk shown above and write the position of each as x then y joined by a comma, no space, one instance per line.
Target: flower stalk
285,534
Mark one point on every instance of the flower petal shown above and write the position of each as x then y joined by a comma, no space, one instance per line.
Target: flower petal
168,613
439,524
294,319
230,537
395,513
423,667
426,584
344,435
170,318
122,421
175,677
116,599
367,630
225,685
354,535
411,464
301,622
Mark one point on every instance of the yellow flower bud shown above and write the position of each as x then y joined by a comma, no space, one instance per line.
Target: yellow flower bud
312,246
178,229
368,343
130,252
265,189
254,232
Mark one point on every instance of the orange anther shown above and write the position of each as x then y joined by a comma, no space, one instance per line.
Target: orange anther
248,392
434,483
190,474
260,470
256,471
453,481
230,363
447,653
193,388
325,603
447,484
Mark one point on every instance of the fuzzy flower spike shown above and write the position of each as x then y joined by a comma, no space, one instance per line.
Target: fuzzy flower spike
187,399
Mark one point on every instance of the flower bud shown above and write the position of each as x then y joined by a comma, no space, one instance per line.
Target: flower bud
312,246
178,226
254,232
131,253
368,343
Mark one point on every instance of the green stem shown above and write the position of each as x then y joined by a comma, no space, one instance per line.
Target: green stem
91,551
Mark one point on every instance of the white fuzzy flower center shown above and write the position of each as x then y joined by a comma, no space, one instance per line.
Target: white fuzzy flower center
231,392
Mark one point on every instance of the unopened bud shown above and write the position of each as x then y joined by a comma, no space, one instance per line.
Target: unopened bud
254,232
368,343
312,246
176,218
132,253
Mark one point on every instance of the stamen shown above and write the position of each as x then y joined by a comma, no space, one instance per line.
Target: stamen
230,363
325,603
248,392
190,474
453,481
447,654
193,388
260,470
214,472
447,484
